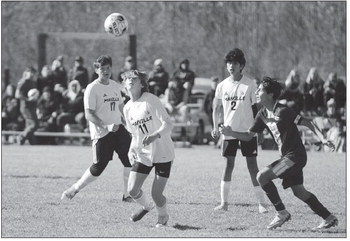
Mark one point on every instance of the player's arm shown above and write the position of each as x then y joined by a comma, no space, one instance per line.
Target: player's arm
166,127
216,111
91,116
121,108
244,136
310,124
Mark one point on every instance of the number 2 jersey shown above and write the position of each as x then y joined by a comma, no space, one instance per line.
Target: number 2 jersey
144,117
237,99
282,125
105,101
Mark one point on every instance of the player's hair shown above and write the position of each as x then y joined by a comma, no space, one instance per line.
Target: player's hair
235,55
272,86
137,74
103,60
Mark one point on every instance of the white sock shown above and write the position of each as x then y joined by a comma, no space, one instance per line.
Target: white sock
260,194
162,211
225,189
126,173
143,201
85,180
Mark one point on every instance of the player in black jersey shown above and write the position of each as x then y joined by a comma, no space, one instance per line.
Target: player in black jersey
281,121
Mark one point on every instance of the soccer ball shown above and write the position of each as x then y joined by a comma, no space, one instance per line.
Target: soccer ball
33,94
116,24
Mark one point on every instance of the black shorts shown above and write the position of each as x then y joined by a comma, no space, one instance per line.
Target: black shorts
248,148
161,169
290,169
118,142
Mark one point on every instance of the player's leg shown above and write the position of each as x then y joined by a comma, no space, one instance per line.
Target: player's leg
102,154
138,174
329,220
250,150
265,177
162,174
122,145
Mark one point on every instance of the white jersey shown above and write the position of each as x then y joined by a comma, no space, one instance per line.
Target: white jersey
144,117
237,99
105,101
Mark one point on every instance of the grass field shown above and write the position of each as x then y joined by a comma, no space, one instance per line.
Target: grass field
33,178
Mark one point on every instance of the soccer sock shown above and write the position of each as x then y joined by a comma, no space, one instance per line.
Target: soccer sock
143,201
260,194
126,173
162,211
272,193
317,206
225,189
85,180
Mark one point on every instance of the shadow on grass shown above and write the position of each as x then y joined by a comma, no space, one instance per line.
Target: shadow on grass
236,228
308,230
243,204
185,227
35,176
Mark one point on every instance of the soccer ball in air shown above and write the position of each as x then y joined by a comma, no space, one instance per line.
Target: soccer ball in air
33,94
116,24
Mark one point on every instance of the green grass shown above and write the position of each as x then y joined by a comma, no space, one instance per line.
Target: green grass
33,178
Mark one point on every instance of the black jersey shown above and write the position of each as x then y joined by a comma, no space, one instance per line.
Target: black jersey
282,125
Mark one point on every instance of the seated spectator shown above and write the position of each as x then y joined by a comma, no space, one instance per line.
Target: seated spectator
292,96
335,88
27,105
47,112
59,72
208,99
185,75
158,78
337,134
328,119
79,72
45,78
47,109
313,93
129,64
176,99
72,107
57,94
11,118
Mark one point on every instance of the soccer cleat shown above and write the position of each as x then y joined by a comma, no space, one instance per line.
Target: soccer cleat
222,207
69,193
263,208
139,215
279,220
162,221
127,199
330,221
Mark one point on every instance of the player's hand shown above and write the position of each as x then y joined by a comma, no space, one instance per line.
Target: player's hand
132,156
215,134
226,130
149,139
113,127
329,144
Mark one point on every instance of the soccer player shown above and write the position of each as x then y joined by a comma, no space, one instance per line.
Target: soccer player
281,121
151,145
236,95
104,105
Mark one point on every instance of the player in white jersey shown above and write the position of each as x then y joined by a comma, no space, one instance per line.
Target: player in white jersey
104,105
236,94
151,145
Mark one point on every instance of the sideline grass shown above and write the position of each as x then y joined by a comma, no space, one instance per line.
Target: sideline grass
33,178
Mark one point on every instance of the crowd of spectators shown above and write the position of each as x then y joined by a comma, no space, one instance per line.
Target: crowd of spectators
61,97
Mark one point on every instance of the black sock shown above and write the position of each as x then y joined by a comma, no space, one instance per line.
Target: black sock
272,193
317,207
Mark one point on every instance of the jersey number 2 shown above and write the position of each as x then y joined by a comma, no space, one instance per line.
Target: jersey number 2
233,105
